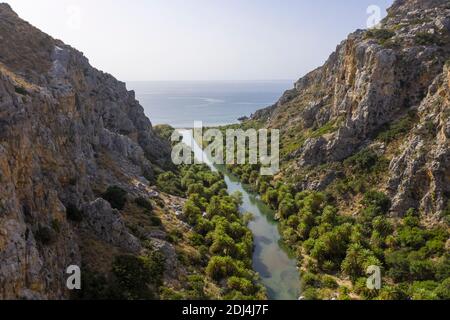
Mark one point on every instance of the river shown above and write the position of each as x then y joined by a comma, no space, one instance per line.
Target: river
278,271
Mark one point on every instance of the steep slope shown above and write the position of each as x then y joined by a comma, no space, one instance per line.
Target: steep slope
68,132
373,81
365,167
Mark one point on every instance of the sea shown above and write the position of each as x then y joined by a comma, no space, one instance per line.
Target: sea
215,103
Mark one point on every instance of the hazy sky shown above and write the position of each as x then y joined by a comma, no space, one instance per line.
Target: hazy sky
200,39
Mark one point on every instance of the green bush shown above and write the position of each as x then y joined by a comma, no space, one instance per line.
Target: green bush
357,261
427,39
382,35
116,196
45,235
144,203
329,282
73,213
94,286
20,90
134,275
424,290
169,183
242,285
155,221
221,267
309,279
196,287
377,200
311,294
363,161
398,129
443,290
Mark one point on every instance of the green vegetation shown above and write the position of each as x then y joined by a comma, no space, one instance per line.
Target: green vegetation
73,213
45,235
20,90
447,63
427,39
220,232
332,245
116,196
381,35
169,183
398,129
144,203
132,278
164,131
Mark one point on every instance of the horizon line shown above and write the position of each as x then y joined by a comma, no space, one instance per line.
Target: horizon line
214,80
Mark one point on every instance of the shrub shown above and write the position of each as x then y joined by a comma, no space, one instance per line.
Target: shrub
427,39
377,200
423,290
242,285
221,267
395,292
20,90
132,277
411,237
116,196
45,235
196,287
309,279
363,160
357,261
422,270
329,282
94,286
287,207
155,221
382,35
399,128
135,274
443,291
144,203
73,213
169,183
311,294
398,264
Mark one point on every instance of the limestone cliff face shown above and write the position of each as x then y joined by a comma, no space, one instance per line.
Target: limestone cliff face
372,80
67,131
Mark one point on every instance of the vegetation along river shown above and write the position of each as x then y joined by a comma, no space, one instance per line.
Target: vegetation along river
278,271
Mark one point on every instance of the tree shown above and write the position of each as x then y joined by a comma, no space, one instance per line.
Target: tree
223,245
377,200
196,188
116,196
287,207
221,267
191,212
271,198
132,278
214,207
237,197
443,291
356,262
170,183
242,285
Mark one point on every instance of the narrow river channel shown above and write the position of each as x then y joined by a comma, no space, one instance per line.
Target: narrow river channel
278,271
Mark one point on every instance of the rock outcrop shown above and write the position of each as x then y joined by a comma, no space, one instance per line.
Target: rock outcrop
371,81
67,132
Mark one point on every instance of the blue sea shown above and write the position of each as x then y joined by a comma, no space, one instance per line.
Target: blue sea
215,103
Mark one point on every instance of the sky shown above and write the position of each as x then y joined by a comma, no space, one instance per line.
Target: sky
169,40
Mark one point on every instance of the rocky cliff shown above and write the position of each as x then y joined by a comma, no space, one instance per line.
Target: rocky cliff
67,133
390,82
